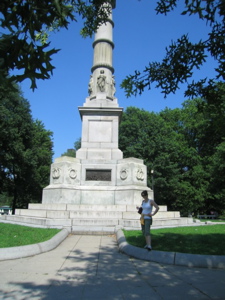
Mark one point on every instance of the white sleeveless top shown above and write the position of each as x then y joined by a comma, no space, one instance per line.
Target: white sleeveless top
147,208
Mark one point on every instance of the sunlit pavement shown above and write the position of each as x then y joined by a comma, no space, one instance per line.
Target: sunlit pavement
91,267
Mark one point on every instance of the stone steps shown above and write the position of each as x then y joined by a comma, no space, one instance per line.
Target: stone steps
129,224
82,214
91,218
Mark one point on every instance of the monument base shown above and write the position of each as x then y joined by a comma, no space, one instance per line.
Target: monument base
111,182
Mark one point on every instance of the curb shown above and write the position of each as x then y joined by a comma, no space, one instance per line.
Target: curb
170,258
34,249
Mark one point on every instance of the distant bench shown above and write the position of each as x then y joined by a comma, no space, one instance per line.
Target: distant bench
207,216
5,210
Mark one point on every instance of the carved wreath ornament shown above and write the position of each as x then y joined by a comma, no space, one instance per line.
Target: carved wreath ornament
123,174
140,174
56,172
72,173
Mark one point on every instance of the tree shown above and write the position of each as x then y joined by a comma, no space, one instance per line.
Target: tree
41,160
146,136
191,189
211,141
15,128
185,148
25,150
26,26
217,182
183,57
72,152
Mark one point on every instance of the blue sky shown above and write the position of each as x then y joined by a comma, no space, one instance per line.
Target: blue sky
140,36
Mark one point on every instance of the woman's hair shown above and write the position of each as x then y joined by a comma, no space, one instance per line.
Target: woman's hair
144,193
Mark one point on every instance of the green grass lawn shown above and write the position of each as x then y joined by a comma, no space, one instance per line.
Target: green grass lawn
16,235
209,239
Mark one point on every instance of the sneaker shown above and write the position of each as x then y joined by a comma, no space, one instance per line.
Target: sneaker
149,248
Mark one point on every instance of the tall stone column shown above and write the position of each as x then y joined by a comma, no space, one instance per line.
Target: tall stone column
102,81
101,113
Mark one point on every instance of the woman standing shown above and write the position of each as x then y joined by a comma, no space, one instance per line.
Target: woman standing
147,205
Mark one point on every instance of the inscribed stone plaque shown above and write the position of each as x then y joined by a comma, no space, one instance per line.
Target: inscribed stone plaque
98,175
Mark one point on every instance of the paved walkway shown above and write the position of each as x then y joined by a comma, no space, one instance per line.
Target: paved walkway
91,267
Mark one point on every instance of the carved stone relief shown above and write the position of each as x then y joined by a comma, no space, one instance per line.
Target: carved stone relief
56,172
72,173
113,86
91,86
101,81
103,84
140,174
123,174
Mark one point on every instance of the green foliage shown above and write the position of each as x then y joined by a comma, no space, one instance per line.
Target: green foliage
147,136
207,240
77,144
185,148
25,150
69,152
25,29
183,57
95,13
72,152
15,235
41,160
5,200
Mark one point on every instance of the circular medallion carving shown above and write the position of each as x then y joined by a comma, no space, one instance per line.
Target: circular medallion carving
56,172
140,174
72,173
123,174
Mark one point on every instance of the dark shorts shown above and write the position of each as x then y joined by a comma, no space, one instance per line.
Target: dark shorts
146,228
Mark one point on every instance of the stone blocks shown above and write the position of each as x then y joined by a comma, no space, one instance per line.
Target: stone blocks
110,182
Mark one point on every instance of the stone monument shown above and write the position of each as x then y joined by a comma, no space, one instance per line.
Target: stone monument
98,190
99,174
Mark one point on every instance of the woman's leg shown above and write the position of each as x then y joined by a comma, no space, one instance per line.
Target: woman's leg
147,233
148,240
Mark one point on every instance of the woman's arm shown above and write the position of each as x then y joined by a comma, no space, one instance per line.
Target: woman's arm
156,208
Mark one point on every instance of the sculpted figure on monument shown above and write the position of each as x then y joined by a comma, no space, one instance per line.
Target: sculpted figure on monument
101,81
90,86
113,86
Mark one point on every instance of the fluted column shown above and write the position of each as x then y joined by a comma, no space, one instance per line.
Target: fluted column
102,81
101,113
